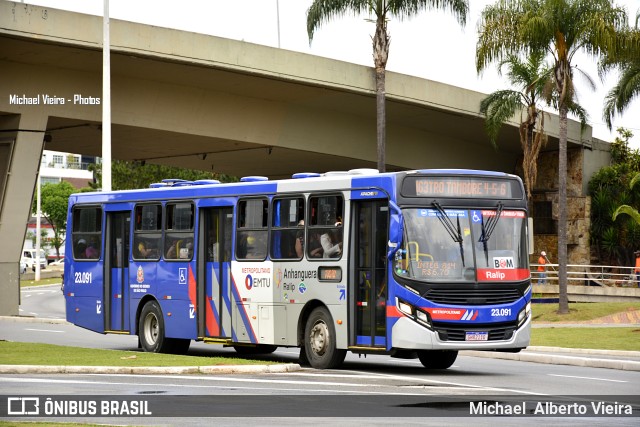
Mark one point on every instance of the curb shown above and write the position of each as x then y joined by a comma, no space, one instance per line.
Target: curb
27,319
151,370
555,359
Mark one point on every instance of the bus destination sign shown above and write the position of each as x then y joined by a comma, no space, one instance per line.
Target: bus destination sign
468,187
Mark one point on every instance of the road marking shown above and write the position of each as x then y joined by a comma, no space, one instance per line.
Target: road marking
588,378
246,380
44,330
452,384
161,385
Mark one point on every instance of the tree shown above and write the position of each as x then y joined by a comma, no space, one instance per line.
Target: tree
53,204
627,59
131,175
614,237
626,209
321,11
559,29
532,78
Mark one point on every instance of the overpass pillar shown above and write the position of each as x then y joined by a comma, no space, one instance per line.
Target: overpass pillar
21,145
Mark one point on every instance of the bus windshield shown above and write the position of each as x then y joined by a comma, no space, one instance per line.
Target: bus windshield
460,245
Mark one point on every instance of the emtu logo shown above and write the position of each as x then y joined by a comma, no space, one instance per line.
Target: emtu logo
248,282
23,406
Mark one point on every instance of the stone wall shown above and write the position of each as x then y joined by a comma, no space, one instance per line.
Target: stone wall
578,204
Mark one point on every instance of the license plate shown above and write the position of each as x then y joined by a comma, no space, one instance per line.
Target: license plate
476,336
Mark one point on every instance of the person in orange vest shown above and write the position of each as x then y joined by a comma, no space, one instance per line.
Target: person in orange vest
637,269
542,268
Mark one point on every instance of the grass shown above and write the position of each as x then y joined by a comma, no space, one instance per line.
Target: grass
593,338
581,311
41,282
17,353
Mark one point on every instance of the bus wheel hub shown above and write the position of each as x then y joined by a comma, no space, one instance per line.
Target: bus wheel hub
318,338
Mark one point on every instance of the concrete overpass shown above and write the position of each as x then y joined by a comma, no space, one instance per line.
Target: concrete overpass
204,102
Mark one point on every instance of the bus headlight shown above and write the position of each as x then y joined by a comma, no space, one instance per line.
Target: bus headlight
405,308
423,318
524,314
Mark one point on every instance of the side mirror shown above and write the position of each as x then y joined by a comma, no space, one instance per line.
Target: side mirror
396,230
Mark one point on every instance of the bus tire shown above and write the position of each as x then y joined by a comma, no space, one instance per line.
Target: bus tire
257,349
303,360
320,341
151,329
437,359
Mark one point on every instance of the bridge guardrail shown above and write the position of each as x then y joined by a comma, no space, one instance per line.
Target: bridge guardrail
587,275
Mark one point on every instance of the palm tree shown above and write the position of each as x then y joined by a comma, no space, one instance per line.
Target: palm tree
626,209
321,11
532,78
628,86
560,29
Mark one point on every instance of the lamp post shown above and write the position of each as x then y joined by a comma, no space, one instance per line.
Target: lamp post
106,104
37,258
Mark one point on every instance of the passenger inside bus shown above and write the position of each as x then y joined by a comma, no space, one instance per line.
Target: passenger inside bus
92,251
180,249
145,251
300,239
331,242
314,245
81,247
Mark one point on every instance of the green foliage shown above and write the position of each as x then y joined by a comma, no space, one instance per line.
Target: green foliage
532,78
53,205
132,175
627,60
558,29
614,237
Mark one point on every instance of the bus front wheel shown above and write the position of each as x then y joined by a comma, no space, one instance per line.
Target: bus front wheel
320,341
437,359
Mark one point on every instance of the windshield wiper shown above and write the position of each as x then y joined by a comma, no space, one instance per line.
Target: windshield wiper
454,232
487,230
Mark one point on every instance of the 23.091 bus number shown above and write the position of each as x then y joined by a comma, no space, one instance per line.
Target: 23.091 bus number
500,312
82,277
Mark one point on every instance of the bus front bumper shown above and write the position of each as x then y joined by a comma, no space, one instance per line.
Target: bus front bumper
407,334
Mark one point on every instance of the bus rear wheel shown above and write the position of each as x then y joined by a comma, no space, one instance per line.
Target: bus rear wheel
151,332
320,341
437,359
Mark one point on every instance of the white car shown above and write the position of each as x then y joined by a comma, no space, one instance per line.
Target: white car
29,256
23,266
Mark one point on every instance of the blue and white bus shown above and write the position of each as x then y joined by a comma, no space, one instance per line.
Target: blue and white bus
408,264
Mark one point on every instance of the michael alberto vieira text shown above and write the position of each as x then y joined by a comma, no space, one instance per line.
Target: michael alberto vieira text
549,408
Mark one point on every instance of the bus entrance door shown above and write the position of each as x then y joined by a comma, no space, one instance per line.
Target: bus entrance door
116,269
369,301
214,271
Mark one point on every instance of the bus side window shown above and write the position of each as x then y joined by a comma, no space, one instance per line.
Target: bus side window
325,227
287,228
178,239
86,234
147,233
251,237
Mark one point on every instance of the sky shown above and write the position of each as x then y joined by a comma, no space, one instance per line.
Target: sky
431,45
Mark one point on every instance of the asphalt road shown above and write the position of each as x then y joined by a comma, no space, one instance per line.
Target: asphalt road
470,378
